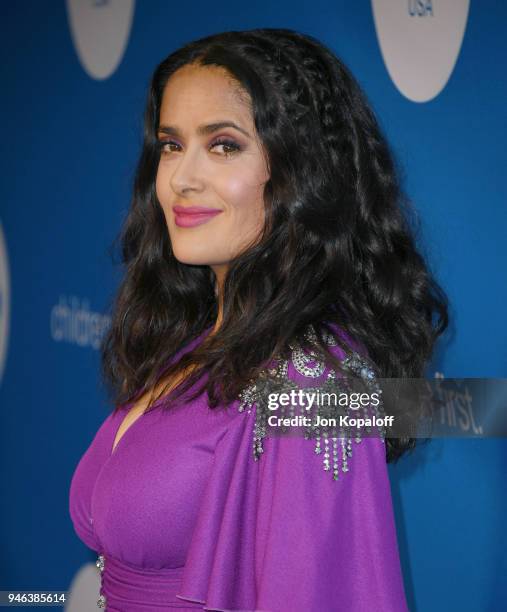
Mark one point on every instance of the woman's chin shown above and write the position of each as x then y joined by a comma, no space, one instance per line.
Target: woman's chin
192,258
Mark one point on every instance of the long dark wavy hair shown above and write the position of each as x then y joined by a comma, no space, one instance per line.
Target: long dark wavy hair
338,244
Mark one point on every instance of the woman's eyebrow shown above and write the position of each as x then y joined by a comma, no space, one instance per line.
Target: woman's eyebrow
203,130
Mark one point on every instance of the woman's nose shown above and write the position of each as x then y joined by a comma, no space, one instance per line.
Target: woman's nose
188,172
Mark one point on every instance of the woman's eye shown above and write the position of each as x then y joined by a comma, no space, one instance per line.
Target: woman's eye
225,147
168,146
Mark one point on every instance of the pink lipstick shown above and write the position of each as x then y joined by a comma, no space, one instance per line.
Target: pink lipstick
190,216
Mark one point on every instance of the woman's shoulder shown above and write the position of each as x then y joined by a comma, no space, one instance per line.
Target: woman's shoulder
287,387
310,362
306,363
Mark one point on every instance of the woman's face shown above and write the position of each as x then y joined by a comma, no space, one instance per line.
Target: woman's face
212,170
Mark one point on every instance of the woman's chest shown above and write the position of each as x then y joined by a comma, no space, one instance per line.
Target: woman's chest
147,495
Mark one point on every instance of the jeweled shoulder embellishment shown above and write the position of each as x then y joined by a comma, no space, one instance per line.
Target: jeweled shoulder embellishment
301,361
248,398
332,443
309,364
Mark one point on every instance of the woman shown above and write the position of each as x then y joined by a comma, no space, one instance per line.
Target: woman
266,241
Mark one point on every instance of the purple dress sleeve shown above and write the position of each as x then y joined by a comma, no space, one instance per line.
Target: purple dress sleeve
280,534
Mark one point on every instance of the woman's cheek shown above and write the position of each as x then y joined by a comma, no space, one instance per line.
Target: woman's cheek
162,192
158,188
242,192
233,190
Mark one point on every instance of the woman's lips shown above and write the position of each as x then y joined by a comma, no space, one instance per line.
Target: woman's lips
193,215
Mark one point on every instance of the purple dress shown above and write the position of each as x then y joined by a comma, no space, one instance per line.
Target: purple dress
184,517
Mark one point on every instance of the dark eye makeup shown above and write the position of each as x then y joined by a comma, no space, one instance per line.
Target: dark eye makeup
229,146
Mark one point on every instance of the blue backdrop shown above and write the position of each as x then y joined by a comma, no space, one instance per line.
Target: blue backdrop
74,77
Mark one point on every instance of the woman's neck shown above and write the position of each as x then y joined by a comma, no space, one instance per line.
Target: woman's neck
220,272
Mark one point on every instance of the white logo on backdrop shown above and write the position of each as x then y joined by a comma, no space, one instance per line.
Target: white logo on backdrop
84,589
420,41
100,31
72,321
5,301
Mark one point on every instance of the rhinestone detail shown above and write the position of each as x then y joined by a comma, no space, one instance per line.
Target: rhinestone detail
100,563
307,364
310,366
